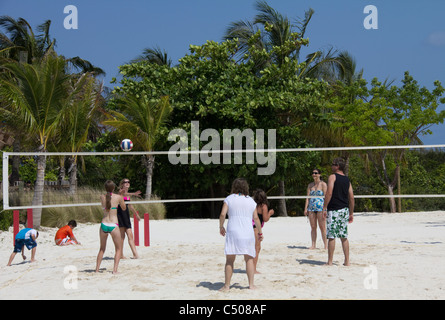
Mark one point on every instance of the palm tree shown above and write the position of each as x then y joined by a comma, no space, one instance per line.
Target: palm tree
20,43
154,55
38,94
78,120
141,120
277,28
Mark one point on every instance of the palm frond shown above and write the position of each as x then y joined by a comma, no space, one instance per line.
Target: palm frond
155,55
140,120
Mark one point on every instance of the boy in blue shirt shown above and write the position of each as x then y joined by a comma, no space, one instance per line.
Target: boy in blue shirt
26,237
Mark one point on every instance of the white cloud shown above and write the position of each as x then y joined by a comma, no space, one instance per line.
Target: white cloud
437,38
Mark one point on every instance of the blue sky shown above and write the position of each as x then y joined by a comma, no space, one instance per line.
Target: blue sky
410,35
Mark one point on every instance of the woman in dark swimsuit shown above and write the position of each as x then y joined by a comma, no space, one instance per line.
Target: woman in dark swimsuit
264,214
123,217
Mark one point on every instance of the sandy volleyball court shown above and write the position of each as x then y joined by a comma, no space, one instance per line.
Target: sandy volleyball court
393,256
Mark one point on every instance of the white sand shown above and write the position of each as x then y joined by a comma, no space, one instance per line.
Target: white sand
401,255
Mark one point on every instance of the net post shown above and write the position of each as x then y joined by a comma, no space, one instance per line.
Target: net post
29,218
136,229
5,181
147,229
16,227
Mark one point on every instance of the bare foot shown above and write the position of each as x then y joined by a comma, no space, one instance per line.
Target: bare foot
224,288
252,287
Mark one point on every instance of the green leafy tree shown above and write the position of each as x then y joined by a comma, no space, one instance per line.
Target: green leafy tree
210,86
388,116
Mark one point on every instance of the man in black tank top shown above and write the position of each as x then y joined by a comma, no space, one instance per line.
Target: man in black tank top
338,209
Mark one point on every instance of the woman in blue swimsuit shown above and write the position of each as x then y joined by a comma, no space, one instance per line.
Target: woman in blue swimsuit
314,207
109,224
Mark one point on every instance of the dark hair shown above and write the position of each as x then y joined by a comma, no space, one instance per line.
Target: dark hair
109,187
340,162
240,185
72,223
318,170
260,197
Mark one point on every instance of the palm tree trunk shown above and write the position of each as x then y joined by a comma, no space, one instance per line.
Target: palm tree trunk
149,162
73,175
62,172
282,211
15,176
38,189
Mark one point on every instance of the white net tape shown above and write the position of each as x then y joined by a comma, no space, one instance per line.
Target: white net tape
6,156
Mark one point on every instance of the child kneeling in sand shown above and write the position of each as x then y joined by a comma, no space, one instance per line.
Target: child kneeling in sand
64,236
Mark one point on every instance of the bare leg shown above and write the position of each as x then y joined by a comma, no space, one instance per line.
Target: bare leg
250,270
228,272
345,246
130,237
122,232
103,245
118,243
33,254
313,221
257,249
11,258
322,225
331,249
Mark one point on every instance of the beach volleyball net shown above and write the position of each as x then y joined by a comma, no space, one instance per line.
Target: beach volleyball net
77,179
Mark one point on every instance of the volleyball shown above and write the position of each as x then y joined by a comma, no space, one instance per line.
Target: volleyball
126,145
